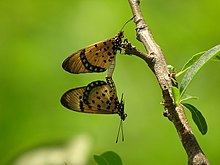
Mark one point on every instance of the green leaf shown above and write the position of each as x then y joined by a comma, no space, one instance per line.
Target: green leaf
217,57
100,160
190,62
197,118
108,158
196,67
176,95
188,97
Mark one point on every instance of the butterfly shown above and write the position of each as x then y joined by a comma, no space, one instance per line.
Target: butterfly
98,97
96,57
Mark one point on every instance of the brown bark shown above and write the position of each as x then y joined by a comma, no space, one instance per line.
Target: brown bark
157,63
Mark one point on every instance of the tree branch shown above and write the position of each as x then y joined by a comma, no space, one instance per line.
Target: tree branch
157,63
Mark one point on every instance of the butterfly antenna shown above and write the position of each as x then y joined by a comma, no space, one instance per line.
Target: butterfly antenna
122,131
127,22
120,128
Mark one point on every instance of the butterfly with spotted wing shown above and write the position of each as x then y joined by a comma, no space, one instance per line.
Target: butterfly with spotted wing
98,97
96,57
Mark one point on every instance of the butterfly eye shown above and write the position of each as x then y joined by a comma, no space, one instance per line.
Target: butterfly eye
121,34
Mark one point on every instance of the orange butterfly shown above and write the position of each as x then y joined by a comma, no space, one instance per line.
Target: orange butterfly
96,57
98,97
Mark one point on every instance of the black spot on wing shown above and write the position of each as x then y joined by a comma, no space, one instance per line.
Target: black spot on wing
90,87
90,67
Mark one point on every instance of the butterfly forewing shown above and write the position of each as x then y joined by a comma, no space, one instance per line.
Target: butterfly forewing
94,58
97,97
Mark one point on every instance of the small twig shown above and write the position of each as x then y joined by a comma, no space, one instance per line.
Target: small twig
130,49
157,63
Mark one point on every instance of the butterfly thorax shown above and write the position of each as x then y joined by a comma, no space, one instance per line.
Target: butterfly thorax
118,41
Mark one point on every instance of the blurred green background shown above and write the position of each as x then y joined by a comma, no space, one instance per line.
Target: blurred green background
36,36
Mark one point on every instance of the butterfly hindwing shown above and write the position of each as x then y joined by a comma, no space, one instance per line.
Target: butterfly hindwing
100,94
94,58
97,97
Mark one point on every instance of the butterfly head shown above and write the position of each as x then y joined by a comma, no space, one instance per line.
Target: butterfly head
121,111
120,34
118,37
117,43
